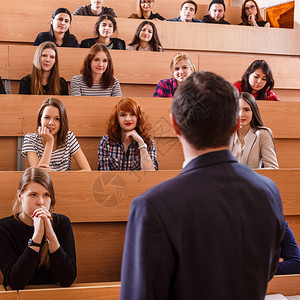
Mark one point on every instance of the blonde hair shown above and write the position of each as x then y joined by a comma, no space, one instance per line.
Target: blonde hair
181,56
37,72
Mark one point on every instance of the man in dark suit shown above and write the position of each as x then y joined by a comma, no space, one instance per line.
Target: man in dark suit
214,231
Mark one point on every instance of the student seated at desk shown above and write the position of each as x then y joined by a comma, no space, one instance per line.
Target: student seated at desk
187,12
59,30
36,245
105,27
2,89
252,144
44,79
181,68
289,262
216,13
144,11
127,145
97,75
258,81
251,15
53,146
96,9
146,38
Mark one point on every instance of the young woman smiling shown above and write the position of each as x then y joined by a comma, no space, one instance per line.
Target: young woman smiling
36,245
97,75
59,30
105,27
253,144
258,81
53,146
44,79
145,38
144,11
181,67
127,145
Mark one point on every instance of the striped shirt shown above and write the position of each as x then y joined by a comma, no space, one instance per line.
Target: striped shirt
79,88
61,158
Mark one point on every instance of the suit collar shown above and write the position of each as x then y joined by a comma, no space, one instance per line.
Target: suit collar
209,159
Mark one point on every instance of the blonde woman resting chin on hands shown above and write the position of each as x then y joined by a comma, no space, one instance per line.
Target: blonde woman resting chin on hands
53,146
36,245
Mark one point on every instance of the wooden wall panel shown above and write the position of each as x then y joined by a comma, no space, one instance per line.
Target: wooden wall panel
8,153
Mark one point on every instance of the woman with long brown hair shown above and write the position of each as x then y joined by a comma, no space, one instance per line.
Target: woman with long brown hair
251,15
97,75
36,245
44,79
127,145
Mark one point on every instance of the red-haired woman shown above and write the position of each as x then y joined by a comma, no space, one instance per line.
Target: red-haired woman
97,75
251,15
127,145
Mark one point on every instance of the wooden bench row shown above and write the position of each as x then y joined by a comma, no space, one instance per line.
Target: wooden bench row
139,72
88,117
98,205
173,35
168,9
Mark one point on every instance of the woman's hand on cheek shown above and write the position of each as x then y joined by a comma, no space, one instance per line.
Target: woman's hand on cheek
45,134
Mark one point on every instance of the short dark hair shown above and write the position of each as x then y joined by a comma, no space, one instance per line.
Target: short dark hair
191,2
64,124
206,110
262,64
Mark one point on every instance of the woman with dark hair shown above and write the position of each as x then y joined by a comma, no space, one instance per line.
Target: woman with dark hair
105,27
252,144
144,11
97,75
36,245
59,30
127,145
53,146
258,81
181,68
145,38
251,15
44,79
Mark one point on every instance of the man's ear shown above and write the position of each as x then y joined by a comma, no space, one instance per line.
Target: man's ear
238,124
174,125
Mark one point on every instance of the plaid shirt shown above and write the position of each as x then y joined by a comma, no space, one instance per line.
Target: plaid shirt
111,156
269,95
166,88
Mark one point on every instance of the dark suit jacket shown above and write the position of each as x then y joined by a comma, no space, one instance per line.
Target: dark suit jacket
213,232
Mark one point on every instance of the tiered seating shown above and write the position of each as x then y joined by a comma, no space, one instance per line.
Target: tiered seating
19,115
99,216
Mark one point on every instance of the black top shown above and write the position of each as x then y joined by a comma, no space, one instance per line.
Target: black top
207,19
86,10
45,36
114,44
2,89
152,16
19,263
25,86
260,24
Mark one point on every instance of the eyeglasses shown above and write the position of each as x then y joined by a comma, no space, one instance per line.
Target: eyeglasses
249,7
146,1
